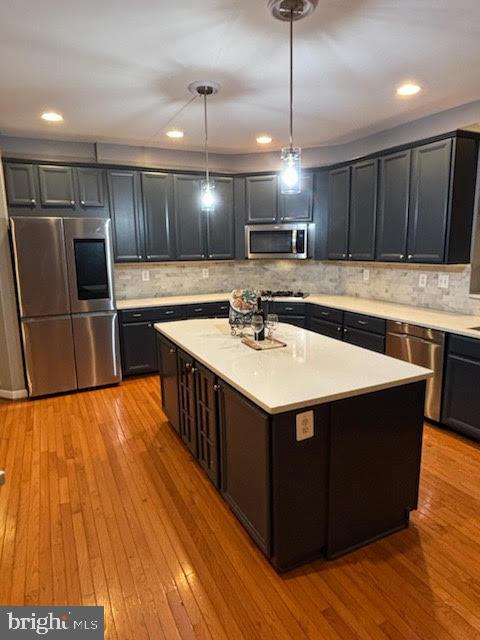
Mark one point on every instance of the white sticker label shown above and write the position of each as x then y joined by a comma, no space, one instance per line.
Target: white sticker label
305,428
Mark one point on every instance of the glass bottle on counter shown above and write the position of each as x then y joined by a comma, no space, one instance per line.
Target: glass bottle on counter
259,319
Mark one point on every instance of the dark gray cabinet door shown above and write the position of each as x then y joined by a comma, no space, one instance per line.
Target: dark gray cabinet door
126,223
20,184
363,210
429,201
157,190
220,223
90,187
245,472
189,219
206,392
338,213
168,369
365,339
298,208
326,328
393,202
261,199
139,351
56,186
187,404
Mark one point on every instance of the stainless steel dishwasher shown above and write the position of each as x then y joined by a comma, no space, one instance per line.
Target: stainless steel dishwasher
424,347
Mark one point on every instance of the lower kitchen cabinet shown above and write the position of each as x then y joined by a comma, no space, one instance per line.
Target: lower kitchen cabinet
187,405
461,400
245,483
364,339
168,369
297,321
326,328
206,390
139,350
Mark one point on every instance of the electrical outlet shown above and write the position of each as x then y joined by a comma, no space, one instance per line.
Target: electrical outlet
205,273
305,427
443,280
366,275
422,280
145,275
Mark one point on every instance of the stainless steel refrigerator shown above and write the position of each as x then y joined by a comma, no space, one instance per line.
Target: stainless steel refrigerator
64,281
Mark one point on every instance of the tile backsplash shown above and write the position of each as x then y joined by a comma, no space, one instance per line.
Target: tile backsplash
393,283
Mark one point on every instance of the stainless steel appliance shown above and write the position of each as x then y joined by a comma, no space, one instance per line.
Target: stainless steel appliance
64,281
285,241
424,347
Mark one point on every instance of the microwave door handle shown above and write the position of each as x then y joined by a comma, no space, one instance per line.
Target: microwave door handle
294,241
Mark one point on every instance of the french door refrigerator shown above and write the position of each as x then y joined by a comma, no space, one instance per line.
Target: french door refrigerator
69,325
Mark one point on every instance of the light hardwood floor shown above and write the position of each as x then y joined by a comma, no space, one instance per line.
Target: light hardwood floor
104,505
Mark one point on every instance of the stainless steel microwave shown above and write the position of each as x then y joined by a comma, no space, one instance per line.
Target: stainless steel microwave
274,241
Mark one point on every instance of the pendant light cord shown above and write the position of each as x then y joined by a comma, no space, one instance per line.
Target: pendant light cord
291,79
206,136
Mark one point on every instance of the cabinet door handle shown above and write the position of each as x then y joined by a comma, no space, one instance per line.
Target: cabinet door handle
344,255
171,350
324,313
349,255
193,370
288,308
362,322
216,387
33,201
198,310
169,313
82,202
188,366
401,256
72,202
410,256
136,315
340,329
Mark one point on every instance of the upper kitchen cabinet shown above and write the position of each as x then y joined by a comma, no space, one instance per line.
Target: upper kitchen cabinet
299,207
157,192
393,201
21,185
220,223
189,218
363,210
91,187
123,190
338,213
56,186
261,195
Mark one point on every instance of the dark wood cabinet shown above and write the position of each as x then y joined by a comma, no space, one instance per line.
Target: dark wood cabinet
298,207
90,184
189,219
338,213
261,195
157,196
20,182
245,477
393,205
168,370
363,210
56,186
461,400
326,328
365,339
206,392
187,403
429,201
123,188
139,349
220,223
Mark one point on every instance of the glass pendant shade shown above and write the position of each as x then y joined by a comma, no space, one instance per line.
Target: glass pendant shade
207,195
291,173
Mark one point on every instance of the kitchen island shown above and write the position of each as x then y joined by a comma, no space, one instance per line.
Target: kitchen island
316,446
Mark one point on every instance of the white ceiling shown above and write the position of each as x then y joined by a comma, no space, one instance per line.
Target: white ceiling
118,69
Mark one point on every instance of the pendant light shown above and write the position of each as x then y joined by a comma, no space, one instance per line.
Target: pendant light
291,173
206,88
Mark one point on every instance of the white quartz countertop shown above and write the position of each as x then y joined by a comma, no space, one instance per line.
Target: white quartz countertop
430,318
312,369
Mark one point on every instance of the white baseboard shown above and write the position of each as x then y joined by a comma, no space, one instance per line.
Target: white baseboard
13,395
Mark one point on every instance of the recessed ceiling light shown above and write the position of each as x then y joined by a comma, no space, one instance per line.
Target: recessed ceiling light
408,89
175,133
52,116
264,139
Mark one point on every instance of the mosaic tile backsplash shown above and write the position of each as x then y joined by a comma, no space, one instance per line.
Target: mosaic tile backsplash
392,283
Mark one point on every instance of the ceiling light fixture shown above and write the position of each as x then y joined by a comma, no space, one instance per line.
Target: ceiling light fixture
408,89
52,116
264,139
207,190
290,11
175,134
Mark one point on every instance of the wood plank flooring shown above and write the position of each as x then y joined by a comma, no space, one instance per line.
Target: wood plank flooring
104,505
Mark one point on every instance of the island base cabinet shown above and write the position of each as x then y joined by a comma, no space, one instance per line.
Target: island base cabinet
186,401
168,369
206,389
375,453
245,474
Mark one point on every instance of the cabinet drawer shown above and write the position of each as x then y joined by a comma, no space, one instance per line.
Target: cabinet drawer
287,308
326,328
207,310
367,323
297,321
365,339
464,347
326,313
151,314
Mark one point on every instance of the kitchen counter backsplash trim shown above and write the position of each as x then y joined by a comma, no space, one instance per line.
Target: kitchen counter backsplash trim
385,283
